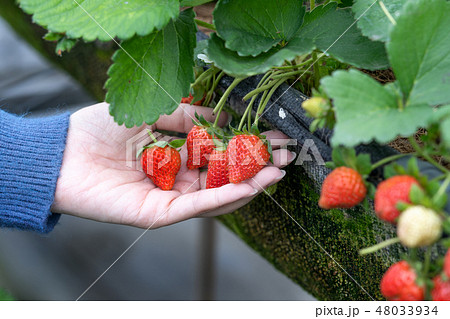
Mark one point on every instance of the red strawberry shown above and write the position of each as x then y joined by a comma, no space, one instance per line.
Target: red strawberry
188,100
247,155
447,263
441,290
161,164
389,193
399,283
217,169
199,145
343,187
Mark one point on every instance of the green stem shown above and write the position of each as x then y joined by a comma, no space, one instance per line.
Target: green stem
263,105
312,4
379,246
426,269
204,75
247,110
218,109
420,152
316,69
263,87
152,136
295,66
205,24
289,74
213,88
443,187
439,178
389,159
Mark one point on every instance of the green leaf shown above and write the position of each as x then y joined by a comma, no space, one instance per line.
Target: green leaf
373,22
65,45
101,19
193,3
240,66
177,143
251,27
441,116
344,3
365,110
138,96
335,32
419,51
321,28
52,36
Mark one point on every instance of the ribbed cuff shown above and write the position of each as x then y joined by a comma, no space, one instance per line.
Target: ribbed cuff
31,152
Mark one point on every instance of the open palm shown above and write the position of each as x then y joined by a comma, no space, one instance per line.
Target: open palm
96,183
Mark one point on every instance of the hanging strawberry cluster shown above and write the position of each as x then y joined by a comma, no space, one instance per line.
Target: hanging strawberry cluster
408,200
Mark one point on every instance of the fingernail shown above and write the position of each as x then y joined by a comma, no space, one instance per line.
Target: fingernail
283,173
294,155
255,191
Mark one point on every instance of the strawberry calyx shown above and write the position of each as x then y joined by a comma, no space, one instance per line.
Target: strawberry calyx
176,144
344,156
220,145
209,127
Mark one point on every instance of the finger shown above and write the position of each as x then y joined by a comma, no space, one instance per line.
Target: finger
266,177
282,158
193,204
181,119
276,138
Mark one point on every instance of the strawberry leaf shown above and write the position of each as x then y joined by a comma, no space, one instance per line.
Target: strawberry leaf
334,31
421,63
241,66
252,27
320,30
373,21
364,108
441,117
83,18
142,93
65,44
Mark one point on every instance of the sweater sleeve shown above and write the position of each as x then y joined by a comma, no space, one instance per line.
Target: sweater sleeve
31,152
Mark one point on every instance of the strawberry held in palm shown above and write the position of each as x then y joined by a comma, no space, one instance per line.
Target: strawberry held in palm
247,155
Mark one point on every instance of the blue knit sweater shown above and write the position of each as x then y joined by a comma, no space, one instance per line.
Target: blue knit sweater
31,152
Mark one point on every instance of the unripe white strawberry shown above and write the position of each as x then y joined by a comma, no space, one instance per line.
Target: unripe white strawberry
419,226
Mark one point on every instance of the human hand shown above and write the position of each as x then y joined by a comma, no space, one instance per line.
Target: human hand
96,183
